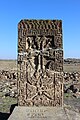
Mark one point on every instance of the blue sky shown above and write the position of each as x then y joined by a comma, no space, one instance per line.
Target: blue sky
12,11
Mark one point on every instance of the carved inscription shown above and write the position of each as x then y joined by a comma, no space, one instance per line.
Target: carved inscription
36,113
40,63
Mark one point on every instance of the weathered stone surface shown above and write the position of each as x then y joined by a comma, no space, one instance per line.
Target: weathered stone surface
40,63
43,113
72,83
51,29
8,85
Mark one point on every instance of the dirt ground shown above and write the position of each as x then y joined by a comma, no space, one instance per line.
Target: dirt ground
12,65
8,65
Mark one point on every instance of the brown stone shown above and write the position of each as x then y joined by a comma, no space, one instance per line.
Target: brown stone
40,63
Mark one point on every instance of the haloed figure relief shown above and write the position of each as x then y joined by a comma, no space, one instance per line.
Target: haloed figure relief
40,63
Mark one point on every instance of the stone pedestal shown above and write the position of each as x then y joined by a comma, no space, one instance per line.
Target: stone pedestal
43,113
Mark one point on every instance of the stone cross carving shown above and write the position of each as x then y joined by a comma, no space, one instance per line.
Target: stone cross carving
40,63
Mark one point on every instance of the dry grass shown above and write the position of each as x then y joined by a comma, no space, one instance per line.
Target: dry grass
72,67
12,65
8,64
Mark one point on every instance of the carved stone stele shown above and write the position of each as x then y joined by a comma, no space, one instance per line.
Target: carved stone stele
40,63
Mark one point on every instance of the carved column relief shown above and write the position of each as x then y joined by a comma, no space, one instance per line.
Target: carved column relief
40,63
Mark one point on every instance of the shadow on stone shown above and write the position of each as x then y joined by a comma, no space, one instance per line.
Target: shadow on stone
4,116
12,107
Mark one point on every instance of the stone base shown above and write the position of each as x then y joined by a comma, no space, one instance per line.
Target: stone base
43,113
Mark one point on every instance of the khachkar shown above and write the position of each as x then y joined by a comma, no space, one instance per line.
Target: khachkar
40,63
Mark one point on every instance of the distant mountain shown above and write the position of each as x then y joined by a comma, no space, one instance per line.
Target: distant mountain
71,60
66,61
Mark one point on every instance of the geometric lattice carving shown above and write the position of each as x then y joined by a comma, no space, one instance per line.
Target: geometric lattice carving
40,63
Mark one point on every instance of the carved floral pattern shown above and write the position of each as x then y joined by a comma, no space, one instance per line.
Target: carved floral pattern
40,63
